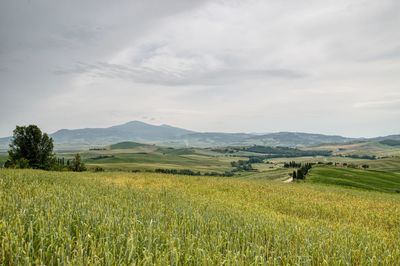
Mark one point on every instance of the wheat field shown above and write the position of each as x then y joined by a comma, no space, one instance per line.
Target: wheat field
65,218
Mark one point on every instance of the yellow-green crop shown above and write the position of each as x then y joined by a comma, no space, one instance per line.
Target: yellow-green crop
120,218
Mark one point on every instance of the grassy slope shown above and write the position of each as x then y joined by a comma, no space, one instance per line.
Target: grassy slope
122,218
388,164
363,179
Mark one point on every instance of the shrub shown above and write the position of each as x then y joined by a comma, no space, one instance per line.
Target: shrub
98,169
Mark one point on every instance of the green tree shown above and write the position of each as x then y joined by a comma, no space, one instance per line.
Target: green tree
76,164
30,148
300,174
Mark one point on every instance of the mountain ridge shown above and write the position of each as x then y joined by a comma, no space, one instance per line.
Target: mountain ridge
164,134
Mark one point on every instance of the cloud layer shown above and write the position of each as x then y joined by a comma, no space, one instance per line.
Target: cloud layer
314,66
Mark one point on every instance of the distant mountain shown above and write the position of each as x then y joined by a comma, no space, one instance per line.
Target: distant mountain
4,142
132,131
296,139
390,142
140,132
91,137
389,137
288,139
212,139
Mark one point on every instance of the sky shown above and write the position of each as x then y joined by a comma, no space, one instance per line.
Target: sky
329,67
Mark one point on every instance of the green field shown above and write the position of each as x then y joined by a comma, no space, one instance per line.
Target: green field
356,178
144,218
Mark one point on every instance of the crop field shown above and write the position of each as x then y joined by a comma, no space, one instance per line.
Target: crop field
144,161
145,218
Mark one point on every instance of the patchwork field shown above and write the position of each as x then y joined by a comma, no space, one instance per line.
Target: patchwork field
143,157
143,218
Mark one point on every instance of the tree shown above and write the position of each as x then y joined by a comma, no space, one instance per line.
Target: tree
76,164
30,148
300,174
365,166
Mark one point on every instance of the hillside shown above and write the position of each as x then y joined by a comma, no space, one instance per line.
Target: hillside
210,139
390,142
356,178
298,139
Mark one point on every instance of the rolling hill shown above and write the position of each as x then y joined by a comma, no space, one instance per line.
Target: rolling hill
127,145
356,178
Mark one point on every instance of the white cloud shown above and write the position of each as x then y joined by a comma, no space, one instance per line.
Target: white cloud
315,66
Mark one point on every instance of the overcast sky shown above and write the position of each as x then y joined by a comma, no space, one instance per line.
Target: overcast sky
234,66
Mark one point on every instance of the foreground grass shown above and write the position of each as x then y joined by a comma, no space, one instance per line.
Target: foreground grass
121,218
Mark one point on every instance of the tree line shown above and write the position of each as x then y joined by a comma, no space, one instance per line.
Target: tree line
190,172
301,172
291,164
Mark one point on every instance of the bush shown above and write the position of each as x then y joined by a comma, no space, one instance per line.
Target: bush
228,174
18,164
242,165
98,169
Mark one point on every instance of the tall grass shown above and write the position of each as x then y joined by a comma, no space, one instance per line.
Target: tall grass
116,218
